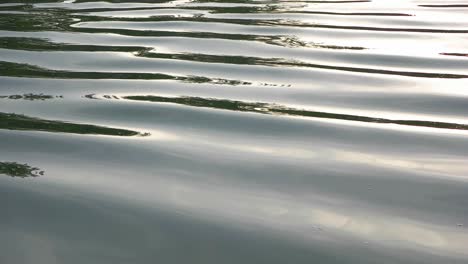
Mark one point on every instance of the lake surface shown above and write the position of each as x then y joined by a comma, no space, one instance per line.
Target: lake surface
234,131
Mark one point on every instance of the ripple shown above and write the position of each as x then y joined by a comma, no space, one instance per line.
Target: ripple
25,123
282,131
274,109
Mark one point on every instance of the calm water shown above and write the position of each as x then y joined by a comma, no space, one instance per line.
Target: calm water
234,131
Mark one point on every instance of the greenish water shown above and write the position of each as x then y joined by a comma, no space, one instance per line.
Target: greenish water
234,131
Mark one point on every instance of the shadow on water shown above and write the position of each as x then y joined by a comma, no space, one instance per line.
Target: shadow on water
274,109
25,123
18,170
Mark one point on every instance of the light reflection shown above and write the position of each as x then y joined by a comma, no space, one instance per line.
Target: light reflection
308,218
391,230
444,166
201,188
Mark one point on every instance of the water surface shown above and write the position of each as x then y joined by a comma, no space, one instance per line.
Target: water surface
234,131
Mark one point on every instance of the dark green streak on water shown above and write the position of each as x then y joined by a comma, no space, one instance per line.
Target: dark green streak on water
285,63
26,70
26,123
31,71
264,108
37,44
